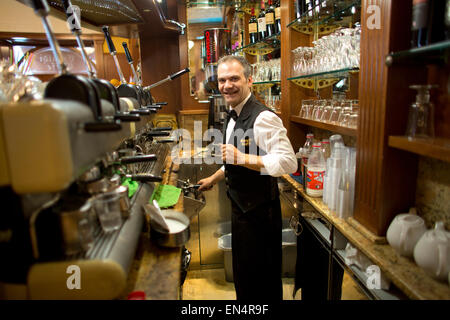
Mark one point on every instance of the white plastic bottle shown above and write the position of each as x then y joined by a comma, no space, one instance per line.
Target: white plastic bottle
315,172
307,149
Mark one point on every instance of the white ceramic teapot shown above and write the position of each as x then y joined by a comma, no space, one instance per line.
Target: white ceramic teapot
432,252
404,232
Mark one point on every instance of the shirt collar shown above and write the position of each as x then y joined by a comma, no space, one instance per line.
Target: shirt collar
239,107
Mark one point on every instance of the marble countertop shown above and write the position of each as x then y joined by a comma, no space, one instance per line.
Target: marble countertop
402,271
156,270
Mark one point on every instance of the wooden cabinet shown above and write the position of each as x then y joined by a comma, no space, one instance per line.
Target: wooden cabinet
387,162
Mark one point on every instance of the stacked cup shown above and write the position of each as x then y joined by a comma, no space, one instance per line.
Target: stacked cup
346,186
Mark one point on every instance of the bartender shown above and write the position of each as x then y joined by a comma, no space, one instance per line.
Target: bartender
256,150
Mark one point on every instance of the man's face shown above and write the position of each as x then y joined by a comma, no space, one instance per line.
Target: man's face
232,83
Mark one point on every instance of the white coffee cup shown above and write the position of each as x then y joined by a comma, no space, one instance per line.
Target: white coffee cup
432,252
404,232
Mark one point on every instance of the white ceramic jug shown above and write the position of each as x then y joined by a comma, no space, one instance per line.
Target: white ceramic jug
404,232
432,252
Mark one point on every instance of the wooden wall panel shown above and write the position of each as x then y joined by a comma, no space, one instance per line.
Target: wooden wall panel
385,180
291,94
160,58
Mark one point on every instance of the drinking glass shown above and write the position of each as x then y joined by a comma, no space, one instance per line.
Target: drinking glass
353,121
334,118
327,110
107,207
346,106
309,108
319,106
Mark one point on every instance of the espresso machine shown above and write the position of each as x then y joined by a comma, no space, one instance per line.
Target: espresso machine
217,43
58,156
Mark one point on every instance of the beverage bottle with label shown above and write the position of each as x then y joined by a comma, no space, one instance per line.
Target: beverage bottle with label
270,19
262,22
315,172
299,155
277,17
307,148
306,151
253,28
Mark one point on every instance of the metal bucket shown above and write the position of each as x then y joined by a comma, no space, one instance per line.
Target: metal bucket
172,239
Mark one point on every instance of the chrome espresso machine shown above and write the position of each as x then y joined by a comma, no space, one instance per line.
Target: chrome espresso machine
58,155
217,43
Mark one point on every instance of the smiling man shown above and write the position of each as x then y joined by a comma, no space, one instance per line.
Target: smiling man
256,150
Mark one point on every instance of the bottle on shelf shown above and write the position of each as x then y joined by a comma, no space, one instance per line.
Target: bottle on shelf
253,28
309,8
421,114
315,172
262,22
270,20
306,151
299,8
422,16
447,21
317,6
436,20
278,17
298,155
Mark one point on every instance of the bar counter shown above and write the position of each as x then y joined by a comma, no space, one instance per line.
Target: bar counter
156,270
403,272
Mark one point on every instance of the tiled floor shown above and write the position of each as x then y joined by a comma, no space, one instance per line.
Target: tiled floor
210,284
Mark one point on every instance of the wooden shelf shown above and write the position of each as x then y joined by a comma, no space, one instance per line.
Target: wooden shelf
325,126
434,148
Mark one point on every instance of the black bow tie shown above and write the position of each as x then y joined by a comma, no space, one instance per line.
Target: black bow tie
232,114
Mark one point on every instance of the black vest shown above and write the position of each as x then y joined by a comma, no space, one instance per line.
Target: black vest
248,188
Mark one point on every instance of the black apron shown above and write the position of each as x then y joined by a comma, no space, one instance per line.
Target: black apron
255,223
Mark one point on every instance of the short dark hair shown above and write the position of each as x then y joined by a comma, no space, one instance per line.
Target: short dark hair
244,63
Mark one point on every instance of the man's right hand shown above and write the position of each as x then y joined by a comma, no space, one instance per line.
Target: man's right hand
206,184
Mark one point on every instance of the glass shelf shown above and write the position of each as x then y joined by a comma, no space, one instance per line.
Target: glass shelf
262,86
351,132
435,53
266,83
262,47
312,22
323,79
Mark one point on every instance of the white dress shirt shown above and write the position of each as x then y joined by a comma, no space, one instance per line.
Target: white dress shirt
270,136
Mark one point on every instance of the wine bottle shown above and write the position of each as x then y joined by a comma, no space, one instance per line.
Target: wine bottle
270,19
277,17
436,20
419,25
253,28
298,8
447,21
262,22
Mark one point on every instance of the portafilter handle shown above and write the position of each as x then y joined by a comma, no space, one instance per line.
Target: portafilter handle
169,78
144,177
137,159
112,50
130,61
